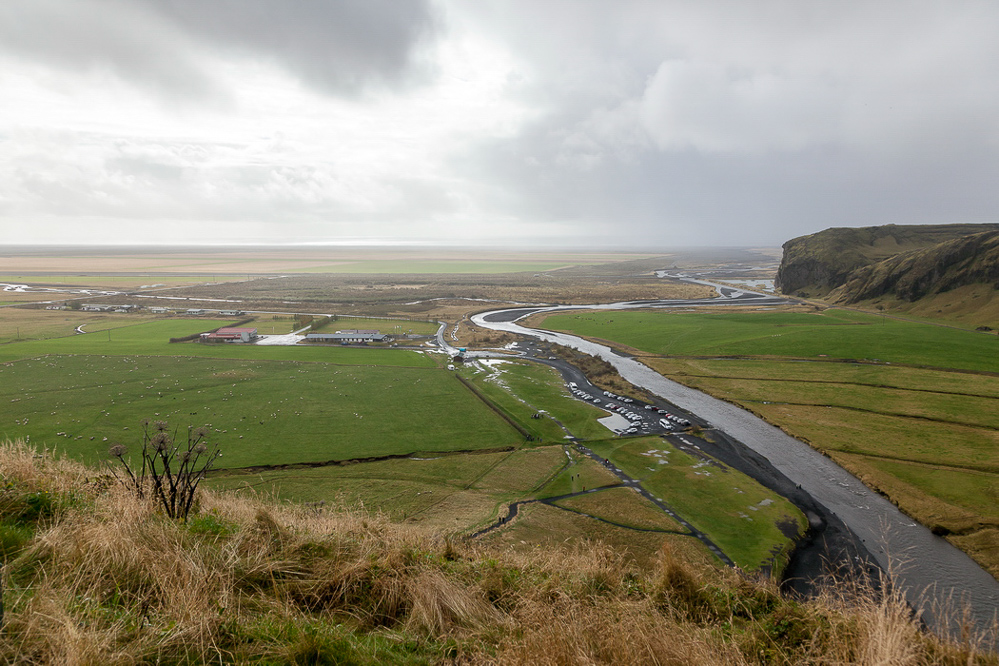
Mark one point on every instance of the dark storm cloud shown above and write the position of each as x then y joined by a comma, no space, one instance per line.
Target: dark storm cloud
654,198
340,47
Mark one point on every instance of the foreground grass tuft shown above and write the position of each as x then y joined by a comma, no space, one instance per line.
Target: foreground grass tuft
101,576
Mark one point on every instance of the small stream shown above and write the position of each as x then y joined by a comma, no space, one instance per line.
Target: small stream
934,574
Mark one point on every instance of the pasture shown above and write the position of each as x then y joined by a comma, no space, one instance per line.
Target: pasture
267,405
832,334
262,412
22,324
454,492
751,524
522,389
153,339
920,426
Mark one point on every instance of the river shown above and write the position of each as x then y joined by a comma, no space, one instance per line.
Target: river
933,574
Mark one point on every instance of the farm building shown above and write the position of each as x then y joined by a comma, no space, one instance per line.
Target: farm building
345,337
197,312
158,310
230,334
231,313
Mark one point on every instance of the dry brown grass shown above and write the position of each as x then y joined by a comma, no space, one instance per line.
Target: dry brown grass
107,579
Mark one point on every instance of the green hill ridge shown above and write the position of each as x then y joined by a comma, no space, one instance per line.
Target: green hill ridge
816,264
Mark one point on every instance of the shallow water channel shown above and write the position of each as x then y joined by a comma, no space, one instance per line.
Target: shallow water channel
933,574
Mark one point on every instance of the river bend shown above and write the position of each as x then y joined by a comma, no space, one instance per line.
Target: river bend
931,571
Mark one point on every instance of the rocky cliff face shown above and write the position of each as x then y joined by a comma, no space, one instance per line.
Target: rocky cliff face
820,263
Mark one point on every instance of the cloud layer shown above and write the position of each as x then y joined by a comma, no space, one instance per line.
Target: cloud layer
637,124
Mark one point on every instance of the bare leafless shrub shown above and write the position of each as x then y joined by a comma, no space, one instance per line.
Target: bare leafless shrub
170,473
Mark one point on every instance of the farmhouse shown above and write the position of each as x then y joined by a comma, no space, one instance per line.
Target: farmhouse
231,313
197,312
230,334
158,310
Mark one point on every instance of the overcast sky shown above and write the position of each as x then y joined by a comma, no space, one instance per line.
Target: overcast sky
544,122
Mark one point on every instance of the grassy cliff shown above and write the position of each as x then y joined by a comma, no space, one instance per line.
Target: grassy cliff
939,268
816,264
94,575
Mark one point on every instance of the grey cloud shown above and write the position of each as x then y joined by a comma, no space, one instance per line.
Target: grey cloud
340,47
749,122
689,197
94,36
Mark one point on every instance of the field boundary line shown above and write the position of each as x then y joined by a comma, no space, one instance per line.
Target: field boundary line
839,383
868,411
368,459
496,408
919,463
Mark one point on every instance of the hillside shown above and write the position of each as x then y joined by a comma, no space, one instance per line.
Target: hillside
93,574
816,264
936,269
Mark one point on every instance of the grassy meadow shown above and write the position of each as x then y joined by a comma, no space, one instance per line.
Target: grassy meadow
282,415
523,389
93,574
751,524
22,324
265,412
153,339
920,426
455,493
832,333
270,405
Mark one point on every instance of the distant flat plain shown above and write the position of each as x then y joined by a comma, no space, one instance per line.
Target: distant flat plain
236,261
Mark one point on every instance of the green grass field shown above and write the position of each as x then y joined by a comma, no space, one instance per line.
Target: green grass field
454,492
522,389
262,412
540,526
622,506
582,473
921,427
274,407
267,405
833,333
153,339
21,324
737,513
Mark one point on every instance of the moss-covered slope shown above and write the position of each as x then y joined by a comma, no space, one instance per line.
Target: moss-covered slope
877,260
816,264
